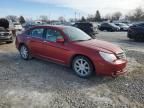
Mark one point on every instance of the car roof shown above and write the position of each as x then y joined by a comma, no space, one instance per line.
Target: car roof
60,27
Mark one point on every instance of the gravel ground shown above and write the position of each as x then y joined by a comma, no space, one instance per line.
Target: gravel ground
41,84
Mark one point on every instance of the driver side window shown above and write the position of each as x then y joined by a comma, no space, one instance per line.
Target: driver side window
52,35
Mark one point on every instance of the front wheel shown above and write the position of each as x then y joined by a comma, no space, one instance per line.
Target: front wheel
82,66
24,52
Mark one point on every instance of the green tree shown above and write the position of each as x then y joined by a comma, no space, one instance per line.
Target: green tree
98,16
22,20
83,19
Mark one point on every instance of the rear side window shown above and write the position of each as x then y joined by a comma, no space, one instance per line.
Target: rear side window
37,33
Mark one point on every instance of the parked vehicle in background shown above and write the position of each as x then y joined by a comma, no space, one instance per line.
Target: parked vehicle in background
136,32
5,32
127,23
74,48
123,27
109,27
5,35
28,26
18,27
88,27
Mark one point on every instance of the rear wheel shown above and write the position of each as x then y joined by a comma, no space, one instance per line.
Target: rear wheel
24,52
82,66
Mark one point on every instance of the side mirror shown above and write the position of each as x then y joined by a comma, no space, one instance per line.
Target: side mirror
60,40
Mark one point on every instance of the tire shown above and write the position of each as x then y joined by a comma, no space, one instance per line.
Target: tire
121,29
82,67
24,52
9,42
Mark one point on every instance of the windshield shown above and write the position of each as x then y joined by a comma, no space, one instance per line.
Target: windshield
76,34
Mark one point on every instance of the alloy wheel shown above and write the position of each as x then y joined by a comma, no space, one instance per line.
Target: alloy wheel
82,67
24,52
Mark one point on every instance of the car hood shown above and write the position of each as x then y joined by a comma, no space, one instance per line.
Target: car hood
100,45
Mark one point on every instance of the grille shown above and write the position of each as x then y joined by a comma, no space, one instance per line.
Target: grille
4,34
121,55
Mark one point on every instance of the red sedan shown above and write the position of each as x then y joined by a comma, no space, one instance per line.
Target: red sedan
72,47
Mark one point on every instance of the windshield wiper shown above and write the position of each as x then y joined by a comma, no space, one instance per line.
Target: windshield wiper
84,40
80,40
90,39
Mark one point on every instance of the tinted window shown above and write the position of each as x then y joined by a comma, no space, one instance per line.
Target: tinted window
105,24
52,35
142,25
27,32
85,24
38,32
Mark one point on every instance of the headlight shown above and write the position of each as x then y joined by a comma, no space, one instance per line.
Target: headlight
108,57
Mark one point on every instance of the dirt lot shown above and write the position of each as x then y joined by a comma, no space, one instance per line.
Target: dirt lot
41,84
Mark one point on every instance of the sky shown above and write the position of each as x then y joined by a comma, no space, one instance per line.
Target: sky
67,8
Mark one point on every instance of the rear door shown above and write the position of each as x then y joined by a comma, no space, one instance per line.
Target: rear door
35,41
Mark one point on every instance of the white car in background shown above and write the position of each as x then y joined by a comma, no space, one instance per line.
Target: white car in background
123,27
18,27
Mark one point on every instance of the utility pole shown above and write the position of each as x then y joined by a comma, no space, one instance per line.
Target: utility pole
79,16
75,16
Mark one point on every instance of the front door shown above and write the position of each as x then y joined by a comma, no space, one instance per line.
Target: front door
53,50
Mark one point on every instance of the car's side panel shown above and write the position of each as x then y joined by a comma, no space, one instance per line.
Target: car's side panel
56,51
35,46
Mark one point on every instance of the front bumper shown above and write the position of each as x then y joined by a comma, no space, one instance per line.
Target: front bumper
111,69
6,38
